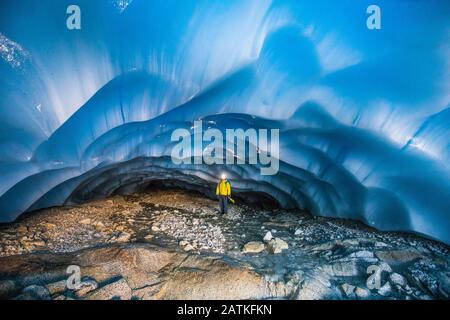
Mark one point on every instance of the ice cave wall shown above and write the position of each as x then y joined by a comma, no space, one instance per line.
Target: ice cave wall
364,115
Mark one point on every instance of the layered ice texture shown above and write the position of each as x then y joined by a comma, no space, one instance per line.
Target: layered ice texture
364,115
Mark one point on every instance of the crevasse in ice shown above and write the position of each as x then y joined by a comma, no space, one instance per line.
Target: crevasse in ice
364,115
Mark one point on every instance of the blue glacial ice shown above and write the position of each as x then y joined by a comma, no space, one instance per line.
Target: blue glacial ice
364,116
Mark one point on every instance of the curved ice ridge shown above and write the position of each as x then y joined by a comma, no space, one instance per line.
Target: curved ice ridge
364,132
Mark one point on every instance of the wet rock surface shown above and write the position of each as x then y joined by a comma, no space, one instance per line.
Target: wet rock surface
176,245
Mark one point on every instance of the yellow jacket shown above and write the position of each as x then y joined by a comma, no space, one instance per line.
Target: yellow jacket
223,188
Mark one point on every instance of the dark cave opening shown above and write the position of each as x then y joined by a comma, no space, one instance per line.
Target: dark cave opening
173,184
258,200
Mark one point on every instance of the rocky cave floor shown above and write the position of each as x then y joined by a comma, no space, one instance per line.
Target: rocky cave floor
174,245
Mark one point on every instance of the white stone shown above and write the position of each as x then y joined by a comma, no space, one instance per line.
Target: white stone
268,236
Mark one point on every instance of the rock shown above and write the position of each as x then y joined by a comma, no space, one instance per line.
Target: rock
34,292
398,280
22,229
49,225
385,267
298,232
155,228
316,287
324,246
99,226
8,289
176,211
380,244
110,202
85,221
385,290
362,293
253,247
123,237
277,245
188,248
149,237
212,279
183,243
38,243
281,289
268,236
118,290
348,289
85,287
398,256
56,287
362,255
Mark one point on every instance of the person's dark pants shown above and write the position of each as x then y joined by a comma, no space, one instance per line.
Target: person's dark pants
223,201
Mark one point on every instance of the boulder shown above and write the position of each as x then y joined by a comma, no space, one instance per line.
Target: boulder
253,247
86,287
398,256
398,280
277,245
362,293
34,292
118,290
8,289
56,287
212,279
385,290
348,289
316,287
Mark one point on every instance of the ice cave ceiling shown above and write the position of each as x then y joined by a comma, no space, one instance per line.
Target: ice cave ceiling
364,115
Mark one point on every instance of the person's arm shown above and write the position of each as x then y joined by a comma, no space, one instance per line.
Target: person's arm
217,189
229,189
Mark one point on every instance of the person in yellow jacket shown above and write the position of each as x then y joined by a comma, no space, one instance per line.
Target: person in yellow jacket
223,191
